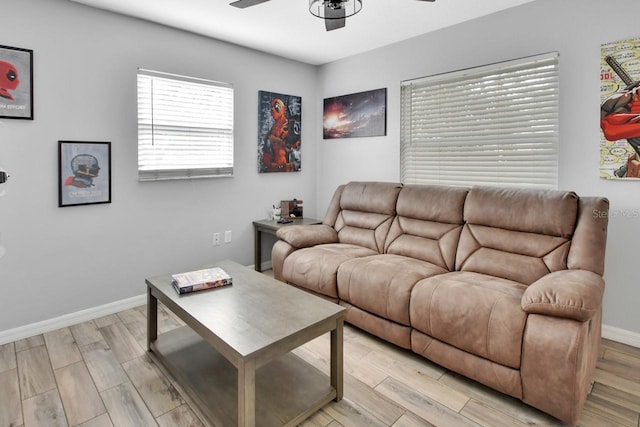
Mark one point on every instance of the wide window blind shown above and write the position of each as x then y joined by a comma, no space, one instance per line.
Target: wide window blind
491,125
185,127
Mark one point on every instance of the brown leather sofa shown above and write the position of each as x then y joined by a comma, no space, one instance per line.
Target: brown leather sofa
501,285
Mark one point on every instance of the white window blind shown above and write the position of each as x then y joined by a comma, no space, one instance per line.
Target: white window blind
491,125
185,127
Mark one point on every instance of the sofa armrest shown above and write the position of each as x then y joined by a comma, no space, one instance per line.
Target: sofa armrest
572,294
304,236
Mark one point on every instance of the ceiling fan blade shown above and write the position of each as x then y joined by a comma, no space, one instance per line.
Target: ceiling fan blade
334,18
246,3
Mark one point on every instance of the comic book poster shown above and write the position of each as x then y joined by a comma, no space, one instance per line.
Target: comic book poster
356,115
620,110
279,132
16,83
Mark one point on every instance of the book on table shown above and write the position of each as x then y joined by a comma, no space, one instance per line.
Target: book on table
199,280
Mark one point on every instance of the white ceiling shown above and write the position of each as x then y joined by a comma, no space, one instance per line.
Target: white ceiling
286,28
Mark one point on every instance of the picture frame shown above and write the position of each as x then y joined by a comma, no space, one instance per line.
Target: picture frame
16,83
279,132
619,93
84,173
357,115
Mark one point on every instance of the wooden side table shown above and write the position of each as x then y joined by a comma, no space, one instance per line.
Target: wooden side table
271,227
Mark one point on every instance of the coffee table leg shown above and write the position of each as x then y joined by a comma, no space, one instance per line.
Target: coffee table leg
247,394
152,318
336,358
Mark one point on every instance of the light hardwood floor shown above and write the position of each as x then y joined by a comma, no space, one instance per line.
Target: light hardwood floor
98,374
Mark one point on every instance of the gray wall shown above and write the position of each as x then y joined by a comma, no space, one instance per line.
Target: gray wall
575,29
63,260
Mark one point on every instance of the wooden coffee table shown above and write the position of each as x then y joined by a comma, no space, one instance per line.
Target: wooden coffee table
234,356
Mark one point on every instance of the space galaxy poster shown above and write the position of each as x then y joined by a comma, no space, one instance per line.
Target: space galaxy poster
620,110
279,132
356,115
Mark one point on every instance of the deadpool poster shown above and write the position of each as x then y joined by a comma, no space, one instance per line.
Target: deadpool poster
279,132
620,110
16,83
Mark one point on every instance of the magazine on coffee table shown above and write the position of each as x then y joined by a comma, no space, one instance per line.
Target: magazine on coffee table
199,280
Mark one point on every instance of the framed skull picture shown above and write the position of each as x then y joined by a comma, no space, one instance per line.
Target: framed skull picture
84,173
16,83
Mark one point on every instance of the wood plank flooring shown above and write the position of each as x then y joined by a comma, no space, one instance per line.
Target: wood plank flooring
98,374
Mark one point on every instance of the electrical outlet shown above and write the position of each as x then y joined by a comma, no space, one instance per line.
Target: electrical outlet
216,239
227,236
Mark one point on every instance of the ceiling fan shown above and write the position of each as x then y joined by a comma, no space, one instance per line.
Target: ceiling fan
334,12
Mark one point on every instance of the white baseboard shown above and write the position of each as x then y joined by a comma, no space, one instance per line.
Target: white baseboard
70,319
621,335
267,265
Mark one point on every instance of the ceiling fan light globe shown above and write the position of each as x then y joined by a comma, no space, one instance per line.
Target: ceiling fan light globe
318,8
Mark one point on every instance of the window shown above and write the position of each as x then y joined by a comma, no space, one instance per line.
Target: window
185,127
491,125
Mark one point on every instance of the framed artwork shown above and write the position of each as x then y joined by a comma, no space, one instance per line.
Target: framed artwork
357,115
16,83
84,173
279,132
620,110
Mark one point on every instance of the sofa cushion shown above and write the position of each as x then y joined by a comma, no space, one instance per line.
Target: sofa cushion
366,212
315,268
516,234
547,212
474,312
381,284
376,197
428,224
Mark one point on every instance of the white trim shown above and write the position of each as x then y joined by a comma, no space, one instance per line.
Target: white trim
267,265
37,328
621,335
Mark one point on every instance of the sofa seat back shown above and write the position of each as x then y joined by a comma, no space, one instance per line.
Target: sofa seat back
428,224
516,234
366,211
